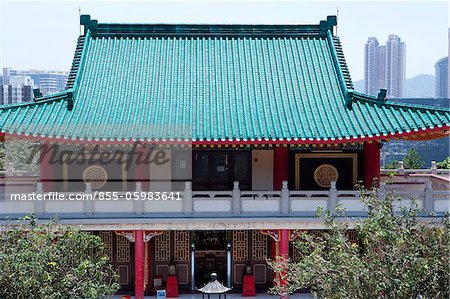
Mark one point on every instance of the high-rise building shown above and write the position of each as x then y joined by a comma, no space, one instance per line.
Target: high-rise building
448,76
441,68
48,81
6,72
371,63
385,66
18,90
17,85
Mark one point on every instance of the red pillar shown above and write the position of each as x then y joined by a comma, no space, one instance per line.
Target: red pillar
371,163
283,251
47,173
284,243
139,260
280,166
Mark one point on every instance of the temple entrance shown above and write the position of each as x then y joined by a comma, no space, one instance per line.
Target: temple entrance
210,256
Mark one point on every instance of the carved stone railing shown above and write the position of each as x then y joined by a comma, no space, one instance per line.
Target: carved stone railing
401,170
227,203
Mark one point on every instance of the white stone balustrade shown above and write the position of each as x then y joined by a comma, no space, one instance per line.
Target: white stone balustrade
226,203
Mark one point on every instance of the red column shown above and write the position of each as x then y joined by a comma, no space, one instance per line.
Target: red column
139,260
47,170
284,243
371,163
280,166
283,251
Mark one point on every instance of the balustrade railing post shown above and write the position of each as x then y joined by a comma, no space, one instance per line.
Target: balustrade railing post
382,191
138,204
39,204
88,204
433,167
236,198
333,196
400,168
187,198
10,169
285,204
428,205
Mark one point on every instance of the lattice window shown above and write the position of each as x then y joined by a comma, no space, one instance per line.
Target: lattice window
259,248
123,249
240,245
162,250
296,253
182,241
107,241
352,236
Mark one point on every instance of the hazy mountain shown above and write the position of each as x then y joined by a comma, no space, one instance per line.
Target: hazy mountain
421,86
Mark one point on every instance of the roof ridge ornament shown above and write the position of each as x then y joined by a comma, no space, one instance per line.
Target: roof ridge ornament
382,95
37,94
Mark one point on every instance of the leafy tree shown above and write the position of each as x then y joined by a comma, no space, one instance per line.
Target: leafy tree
444,164
392,165
395,256
53,261
412,160
21,153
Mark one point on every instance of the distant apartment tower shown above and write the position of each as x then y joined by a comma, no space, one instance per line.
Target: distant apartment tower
48,81
374,67
385,66
19,89
441,69
448,85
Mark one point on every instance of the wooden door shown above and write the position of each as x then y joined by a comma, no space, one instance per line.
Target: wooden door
121,255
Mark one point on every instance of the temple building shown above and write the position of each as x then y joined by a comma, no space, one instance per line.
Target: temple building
234,134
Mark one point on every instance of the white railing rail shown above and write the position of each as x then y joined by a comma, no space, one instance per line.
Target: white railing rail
227,203
401,170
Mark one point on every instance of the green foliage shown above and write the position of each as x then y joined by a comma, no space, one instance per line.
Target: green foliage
396,256
392,165
412,160
53,261
444,164
22,154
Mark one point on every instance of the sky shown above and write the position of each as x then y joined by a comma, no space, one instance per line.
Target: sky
42,34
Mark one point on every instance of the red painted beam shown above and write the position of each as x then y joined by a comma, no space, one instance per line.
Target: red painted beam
139,260
371,164
280,166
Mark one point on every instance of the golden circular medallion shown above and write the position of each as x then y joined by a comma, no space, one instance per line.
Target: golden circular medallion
325,174
96,175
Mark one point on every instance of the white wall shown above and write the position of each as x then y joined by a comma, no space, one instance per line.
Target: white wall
262,170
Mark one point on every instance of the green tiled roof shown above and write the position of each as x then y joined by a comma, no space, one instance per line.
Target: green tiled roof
212,83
